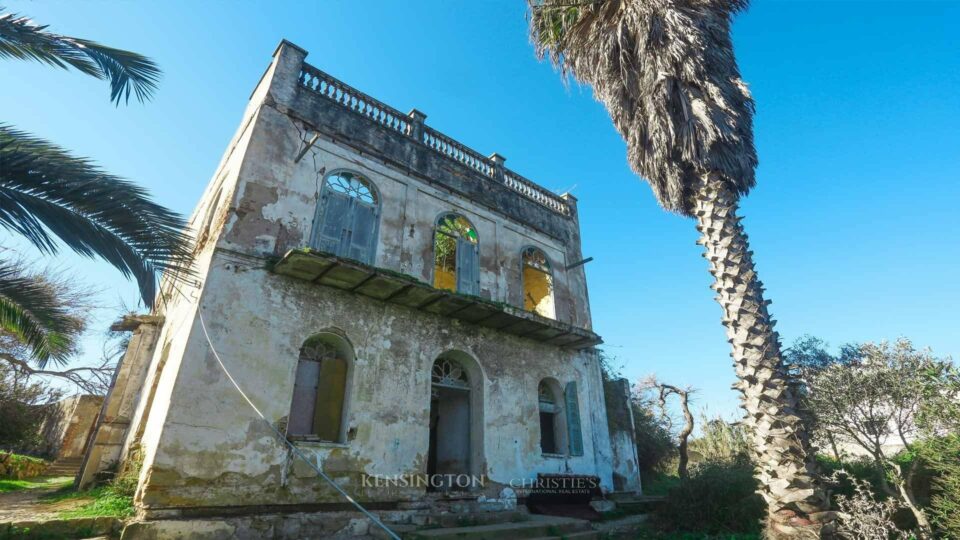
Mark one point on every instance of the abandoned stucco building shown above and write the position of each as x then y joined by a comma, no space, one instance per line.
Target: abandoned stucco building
392,301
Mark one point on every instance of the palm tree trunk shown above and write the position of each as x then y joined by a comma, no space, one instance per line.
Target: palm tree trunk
783,455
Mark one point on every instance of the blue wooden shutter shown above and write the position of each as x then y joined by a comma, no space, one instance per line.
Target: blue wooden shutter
468,271
362,232
330,231
574,432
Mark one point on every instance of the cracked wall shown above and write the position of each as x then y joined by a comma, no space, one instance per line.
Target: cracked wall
204,446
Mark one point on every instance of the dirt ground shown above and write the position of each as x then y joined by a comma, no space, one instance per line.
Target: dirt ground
26,504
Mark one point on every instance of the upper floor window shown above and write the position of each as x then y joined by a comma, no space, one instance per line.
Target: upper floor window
347,217
537,283
456,255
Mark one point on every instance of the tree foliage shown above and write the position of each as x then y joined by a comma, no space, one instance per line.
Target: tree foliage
23,39
46,194
879,400
36,310
51,197
25,403
667,75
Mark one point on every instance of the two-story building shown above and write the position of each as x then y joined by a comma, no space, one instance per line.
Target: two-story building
391,301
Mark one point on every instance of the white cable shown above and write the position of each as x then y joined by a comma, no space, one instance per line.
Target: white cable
283,438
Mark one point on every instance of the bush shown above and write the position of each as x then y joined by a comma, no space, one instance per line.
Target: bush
17,467
25,404
942,456
718,498
863,515
721,442
655,445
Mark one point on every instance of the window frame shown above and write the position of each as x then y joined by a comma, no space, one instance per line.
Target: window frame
549,272
476,252
346,353
320,210
559,416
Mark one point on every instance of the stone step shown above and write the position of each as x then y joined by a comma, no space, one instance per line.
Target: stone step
622,495
58,471
473,519
582,535
639,506
534,527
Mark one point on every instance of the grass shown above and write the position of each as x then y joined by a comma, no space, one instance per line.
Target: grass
7,485
105,501
660,483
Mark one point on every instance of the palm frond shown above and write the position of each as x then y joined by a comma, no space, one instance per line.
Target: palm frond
47,194
666,72
22,39
31,309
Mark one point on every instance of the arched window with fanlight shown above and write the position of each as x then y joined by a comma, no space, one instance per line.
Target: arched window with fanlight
456,255
553,427
318,407
537,283
347,217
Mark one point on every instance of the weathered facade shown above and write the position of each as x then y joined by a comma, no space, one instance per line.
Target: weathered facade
65,433
391,301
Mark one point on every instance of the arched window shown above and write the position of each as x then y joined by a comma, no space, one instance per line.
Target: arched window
537,283
319,391
456,255
347,217
553,429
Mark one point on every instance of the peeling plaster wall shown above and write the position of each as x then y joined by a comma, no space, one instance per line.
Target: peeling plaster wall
65,433
278,199
201,443
215,451
179,300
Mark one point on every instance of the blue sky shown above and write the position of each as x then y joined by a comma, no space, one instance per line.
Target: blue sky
853,221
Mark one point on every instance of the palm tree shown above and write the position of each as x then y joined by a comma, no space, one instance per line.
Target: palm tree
48,194
34,310
666,72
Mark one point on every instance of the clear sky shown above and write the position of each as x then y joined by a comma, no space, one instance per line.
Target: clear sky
853,222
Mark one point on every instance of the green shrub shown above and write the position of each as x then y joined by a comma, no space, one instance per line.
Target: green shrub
718,498
19,467
942,455
720,442
655,444
107,501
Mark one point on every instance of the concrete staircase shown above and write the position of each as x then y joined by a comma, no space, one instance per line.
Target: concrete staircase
533,527
64,467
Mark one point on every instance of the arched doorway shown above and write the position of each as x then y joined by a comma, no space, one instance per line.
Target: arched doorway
449,460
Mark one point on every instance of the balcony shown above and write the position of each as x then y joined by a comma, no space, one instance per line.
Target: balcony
330,271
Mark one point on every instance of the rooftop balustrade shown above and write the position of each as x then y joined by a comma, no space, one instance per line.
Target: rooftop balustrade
412,126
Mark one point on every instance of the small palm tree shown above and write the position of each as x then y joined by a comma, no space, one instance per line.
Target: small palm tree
666,72
47,194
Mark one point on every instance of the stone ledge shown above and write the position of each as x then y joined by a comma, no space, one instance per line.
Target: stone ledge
388,286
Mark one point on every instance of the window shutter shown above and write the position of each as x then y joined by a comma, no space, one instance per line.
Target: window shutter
468,271
332,223
304,398
574,433
362,228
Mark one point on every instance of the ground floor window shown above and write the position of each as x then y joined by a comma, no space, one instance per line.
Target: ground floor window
552,422
319,391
